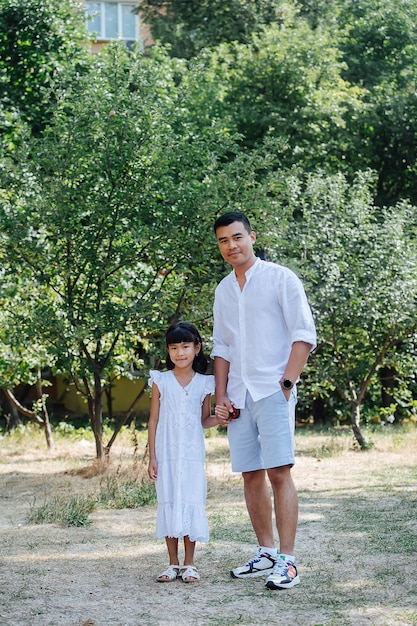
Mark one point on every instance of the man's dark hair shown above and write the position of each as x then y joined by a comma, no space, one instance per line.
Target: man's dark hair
232,216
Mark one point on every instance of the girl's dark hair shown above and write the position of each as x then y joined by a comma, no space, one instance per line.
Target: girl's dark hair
232,216
186,332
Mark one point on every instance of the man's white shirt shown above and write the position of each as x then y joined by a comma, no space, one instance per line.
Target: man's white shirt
254,328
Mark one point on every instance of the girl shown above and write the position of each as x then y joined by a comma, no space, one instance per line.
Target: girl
180,409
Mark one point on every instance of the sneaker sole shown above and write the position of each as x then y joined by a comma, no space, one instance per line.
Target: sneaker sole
260,572
271,585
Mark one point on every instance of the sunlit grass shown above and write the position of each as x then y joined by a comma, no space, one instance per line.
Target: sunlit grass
121,481
75,509
335,441
128,494
357,516
66,510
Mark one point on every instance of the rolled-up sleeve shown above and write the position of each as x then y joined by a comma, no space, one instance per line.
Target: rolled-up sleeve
296,310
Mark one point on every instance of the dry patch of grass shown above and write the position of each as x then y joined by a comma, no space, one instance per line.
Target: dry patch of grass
356,544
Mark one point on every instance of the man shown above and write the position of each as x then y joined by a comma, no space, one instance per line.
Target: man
263,334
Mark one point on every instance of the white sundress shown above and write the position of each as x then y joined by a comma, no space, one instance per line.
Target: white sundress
181,485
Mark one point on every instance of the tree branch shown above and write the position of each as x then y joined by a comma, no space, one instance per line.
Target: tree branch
22,409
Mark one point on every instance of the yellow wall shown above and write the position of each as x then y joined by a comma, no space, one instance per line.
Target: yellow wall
123,393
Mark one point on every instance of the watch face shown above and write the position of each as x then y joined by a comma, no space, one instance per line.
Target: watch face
287,383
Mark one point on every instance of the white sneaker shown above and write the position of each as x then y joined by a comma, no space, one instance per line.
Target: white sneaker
262,563
284,575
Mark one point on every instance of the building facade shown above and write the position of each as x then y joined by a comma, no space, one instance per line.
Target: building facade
116,20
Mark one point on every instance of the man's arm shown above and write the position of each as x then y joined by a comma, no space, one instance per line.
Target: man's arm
296,362
221,373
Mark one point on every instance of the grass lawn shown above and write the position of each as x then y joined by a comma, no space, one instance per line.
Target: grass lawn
78,545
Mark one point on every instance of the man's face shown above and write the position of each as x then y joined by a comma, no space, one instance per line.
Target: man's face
236,244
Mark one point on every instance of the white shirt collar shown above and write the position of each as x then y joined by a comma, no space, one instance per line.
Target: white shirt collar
249,272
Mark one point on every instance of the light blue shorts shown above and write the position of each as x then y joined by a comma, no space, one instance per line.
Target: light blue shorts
263,435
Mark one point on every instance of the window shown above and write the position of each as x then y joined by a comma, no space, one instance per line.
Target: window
113,20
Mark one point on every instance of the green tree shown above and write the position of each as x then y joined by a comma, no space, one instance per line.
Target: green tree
39,41
321,13
108,214
285,90
360,264
21,357
378,44
188,27
335,80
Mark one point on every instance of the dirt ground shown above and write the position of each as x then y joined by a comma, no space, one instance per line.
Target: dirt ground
354,569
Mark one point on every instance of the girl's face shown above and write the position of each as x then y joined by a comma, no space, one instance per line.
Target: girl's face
182,354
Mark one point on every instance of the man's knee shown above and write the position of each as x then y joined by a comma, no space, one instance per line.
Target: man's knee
280,475
253,479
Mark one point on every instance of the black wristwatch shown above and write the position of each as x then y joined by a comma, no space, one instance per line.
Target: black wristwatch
286,383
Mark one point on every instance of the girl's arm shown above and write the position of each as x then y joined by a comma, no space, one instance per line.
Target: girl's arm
152,424
221,416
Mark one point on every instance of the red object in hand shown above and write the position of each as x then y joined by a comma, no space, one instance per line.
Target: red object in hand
235,413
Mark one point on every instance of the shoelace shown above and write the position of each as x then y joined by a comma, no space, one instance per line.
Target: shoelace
255,559
281,567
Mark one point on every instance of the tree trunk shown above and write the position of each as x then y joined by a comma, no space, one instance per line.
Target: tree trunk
97,417
12,419
11,414
387,377
95,411
22,409
46,422
356,419
319,411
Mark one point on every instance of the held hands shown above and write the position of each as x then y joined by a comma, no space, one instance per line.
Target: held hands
223,414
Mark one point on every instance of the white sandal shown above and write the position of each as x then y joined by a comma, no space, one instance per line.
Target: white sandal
171,573
189,571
